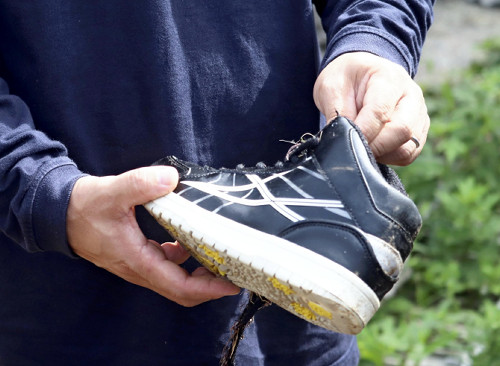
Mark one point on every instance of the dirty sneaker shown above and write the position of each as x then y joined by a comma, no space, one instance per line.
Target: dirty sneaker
323,234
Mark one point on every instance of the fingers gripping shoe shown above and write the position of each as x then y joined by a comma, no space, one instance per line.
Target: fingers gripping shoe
323,234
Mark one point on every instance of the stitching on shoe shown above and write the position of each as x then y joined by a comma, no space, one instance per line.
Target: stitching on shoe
332,186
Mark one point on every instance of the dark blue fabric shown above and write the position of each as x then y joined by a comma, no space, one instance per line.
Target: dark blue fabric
101,87
393,29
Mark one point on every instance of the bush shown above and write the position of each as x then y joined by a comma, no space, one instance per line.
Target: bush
451,302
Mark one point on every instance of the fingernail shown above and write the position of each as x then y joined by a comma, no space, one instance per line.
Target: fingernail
167,176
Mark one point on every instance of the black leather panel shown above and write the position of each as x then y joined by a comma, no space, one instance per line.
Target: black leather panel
343,245
374,205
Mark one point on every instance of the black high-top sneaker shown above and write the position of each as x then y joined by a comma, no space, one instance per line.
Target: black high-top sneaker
322,234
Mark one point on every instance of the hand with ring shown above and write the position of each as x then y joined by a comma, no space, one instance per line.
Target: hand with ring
381,98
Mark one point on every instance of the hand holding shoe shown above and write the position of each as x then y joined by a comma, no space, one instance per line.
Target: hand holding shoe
323,234
381,98
102,228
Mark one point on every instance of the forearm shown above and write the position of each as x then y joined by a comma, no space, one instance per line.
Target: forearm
391,29
36,178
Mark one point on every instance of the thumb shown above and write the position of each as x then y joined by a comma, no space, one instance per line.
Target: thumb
142,185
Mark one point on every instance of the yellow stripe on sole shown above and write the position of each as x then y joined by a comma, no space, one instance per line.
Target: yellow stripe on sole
303,311
318,309
280,286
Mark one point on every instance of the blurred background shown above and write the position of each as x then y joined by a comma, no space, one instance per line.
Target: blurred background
455,38
446,310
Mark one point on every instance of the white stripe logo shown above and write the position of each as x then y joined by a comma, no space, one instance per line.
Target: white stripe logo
280,204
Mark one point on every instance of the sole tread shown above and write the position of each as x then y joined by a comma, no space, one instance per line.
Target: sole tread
290,287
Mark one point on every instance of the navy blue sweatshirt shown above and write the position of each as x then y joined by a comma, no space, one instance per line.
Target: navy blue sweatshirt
102,87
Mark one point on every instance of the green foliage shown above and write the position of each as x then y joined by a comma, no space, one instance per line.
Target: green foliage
451,303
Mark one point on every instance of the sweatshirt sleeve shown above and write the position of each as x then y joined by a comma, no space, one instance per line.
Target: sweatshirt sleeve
36,179
393,29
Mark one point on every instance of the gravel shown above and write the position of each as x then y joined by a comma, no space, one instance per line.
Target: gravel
452,42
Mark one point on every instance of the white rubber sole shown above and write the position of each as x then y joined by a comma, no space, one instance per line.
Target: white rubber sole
297,279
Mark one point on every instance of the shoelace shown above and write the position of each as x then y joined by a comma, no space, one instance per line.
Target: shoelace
307,142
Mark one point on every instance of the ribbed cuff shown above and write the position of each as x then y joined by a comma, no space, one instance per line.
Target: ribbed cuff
367,39
50,199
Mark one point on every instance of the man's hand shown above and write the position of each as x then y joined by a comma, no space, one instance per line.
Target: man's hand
381,98
102,228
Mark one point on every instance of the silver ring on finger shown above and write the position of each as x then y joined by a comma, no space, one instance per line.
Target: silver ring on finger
415,140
